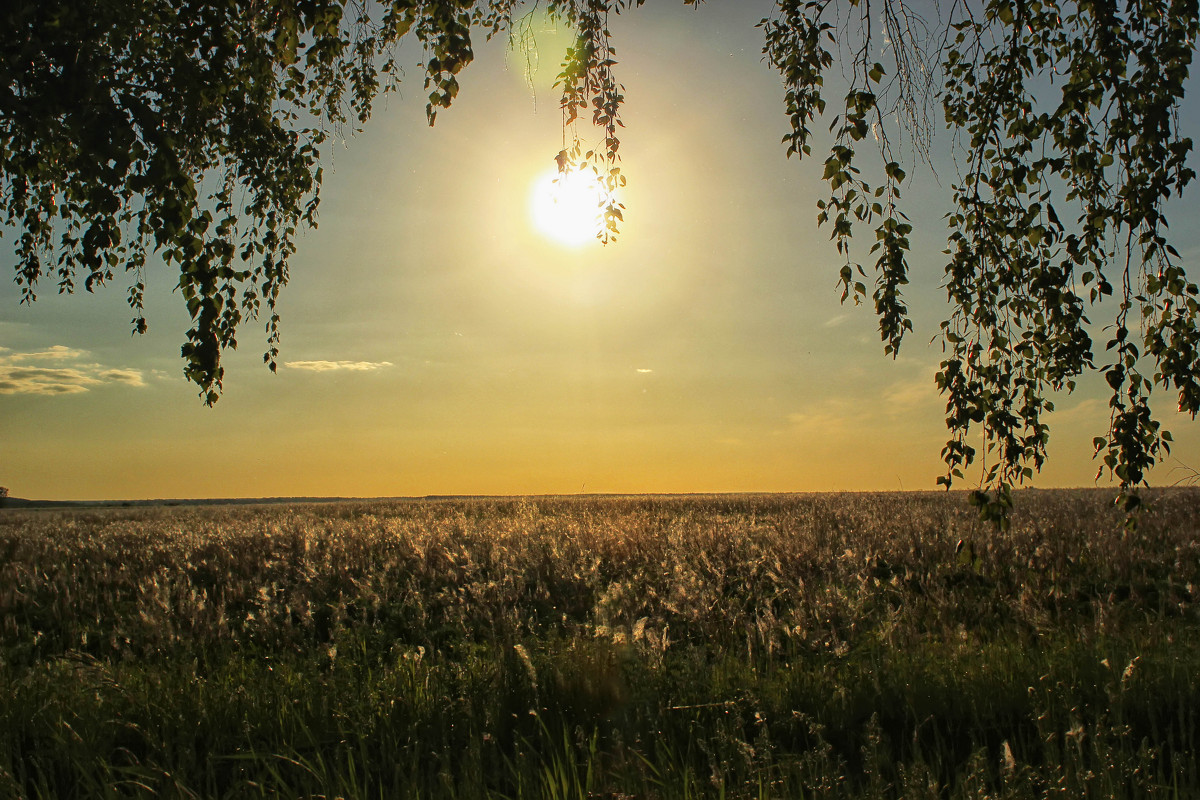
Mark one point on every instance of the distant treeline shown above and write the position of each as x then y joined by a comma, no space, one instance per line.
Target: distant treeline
19,502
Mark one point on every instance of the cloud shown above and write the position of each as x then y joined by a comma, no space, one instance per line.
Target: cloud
644,371
129,377
43,372
56,353
913,394
833,322
1088,411
826,420
913,397
329,366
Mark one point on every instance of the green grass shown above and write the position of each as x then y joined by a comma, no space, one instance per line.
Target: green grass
840,646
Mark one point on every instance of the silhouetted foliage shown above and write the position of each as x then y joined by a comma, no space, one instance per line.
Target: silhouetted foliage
193,129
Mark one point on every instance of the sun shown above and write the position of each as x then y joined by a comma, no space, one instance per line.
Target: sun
567,207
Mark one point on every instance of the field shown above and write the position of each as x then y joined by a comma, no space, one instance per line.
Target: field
834,646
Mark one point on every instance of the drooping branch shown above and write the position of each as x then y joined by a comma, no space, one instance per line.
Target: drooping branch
1110,146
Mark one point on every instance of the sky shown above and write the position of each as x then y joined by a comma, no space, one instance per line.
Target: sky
436,342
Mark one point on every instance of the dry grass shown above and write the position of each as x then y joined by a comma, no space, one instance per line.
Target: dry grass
871,645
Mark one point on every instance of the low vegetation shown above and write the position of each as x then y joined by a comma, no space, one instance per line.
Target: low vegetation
836,646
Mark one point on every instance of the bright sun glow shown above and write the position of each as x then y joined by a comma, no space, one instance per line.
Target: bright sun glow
567,208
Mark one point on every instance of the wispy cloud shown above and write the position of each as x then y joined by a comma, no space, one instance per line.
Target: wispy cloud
330,366
913,394
129,377
26,380
53,372
1088,411
912,397
826,419
644,371
56,353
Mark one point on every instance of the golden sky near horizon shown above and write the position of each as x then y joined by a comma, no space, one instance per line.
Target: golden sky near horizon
436,341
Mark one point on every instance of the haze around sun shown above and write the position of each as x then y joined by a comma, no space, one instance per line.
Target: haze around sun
567,207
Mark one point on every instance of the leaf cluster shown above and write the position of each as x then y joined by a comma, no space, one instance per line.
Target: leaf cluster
194,130
1054,106
1066,106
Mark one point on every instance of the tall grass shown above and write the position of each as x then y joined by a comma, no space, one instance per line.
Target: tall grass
856,646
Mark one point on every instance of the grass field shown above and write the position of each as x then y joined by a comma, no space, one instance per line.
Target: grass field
843,646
